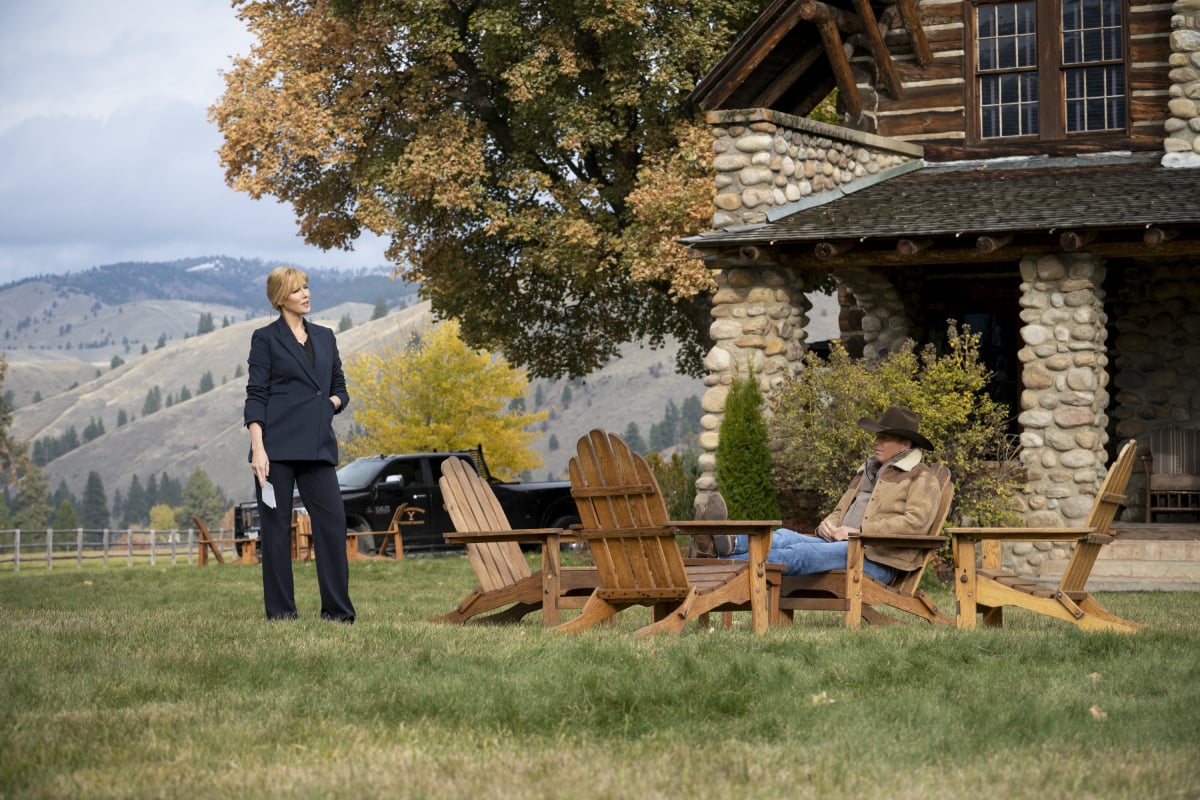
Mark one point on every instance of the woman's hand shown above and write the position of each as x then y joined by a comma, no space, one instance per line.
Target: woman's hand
260,465
336,401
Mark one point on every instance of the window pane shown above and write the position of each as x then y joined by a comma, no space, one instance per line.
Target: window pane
1093,47
987,53
1027,51
1010,89
990,122
1006,19
1072,47
1091,13
1010,120
1026,18
985,21
1006,52
1029,117
1114,44
1072,15
1112,13
988,91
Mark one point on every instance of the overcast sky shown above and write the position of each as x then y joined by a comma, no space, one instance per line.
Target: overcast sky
106,152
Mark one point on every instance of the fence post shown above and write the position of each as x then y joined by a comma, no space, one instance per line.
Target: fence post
49,548
190,540
17,550
129,547
104,544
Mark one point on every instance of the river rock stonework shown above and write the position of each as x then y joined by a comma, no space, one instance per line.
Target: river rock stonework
1182,143
766,160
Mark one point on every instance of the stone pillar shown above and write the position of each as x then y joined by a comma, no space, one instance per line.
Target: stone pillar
1065,399
885,324
759,319
1182,142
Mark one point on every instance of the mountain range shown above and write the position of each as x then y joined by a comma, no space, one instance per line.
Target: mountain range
91,347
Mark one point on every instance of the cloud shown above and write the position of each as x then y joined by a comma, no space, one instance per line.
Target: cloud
106,153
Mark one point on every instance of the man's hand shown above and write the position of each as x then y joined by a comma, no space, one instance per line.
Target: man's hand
831,533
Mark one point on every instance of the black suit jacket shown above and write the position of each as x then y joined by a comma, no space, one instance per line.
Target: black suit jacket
291,398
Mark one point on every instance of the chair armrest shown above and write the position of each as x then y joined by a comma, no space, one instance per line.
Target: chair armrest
921,541
520,535
695,527
1023,534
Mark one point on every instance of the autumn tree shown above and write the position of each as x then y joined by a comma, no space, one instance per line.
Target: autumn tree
531,163
436,393
162,517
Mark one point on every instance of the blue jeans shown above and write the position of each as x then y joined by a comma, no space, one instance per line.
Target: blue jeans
803,555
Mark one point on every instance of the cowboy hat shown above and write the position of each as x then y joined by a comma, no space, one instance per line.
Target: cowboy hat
899,422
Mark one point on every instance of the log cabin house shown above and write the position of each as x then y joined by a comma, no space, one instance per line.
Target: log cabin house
1029,168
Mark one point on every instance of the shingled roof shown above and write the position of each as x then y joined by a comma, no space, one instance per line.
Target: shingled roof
1104,201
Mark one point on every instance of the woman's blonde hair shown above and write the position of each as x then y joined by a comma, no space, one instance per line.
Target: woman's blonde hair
283,281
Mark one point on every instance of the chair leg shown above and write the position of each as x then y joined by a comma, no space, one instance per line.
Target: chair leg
594,611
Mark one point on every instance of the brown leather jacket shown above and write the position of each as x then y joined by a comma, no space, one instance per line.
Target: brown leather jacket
905,499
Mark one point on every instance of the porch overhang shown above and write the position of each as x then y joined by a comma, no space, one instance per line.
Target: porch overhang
1114,206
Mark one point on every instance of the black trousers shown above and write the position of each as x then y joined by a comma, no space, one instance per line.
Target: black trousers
317,482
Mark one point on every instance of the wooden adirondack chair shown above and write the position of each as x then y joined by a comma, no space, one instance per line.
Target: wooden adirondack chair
403,515
856,594
508,588
206,543
634,547
991,588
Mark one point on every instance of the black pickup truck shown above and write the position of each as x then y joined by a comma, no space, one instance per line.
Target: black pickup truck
373,487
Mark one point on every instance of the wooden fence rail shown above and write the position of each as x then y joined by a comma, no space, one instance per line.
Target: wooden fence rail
50,548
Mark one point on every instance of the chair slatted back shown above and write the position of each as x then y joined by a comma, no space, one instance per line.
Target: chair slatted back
907,582
1109,499
473,506
624,520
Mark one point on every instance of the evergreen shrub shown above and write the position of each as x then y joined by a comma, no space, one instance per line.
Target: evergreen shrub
745,466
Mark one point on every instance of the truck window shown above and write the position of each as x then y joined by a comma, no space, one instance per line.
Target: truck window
408,470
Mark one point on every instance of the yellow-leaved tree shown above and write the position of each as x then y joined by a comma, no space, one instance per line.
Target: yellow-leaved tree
436,393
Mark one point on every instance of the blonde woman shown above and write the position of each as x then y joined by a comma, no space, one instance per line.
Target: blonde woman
294,387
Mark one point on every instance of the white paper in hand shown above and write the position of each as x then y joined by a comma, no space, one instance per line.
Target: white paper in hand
268,494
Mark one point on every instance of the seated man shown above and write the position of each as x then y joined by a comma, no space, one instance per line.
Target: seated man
893,492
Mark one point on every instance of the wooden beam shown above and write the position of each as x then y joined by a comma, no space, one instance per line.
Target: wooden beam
990,244
910,247
751,253
842,254
763,45
916,33
816,11
826,250
1155,237
784,80
1072,241
847,88
883,59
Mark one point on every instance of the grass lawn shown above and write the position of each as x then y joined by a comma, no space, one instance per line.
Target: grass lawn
167,682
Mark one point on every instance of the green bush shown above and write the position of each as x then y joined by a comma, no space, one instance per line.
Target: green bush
745,465
676,476
817,413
